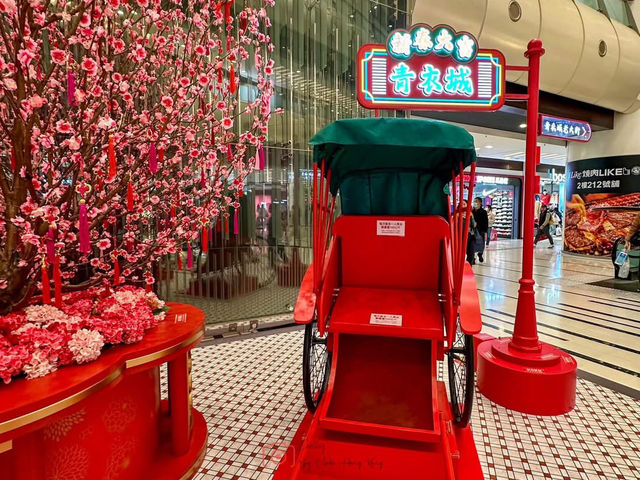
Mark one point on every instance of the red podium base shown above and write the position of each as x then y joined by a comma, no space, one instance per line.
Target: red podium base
538,383
106,419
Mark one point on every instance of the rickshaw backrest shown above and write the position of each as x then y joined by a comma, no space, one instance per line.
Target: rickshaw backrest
400,252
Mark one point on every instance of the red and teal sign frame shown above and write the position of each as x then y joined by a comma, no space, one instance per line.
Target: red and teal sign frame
427,68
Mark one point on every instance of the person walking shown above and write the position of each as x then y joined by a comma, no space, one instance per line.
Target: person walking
491,216
472,235
482,225
544,222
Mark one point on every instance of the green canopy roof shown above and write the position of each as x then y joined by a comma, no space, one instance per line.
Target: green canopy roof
398,144
392,166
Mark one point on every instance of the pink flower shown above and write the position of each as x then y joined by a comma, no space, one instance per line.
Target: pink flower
85,20
114,3
221,105
184,81
62,126
3,284
167,102
203,79
103,244
140,53
58,56
118,44
10,84
73,143
25,57
200,50
85,345
36,101
8,6
89,65
227,123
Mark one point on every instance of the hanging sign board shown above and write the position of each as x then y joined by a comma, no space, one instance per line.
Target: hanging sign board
427,68
564,128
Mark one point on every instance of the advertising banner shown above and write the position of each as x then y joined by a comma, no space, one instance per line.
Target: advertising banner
603,197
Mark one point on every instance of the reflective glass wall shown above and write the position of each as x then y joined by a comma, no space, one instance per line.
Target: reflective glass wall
257,271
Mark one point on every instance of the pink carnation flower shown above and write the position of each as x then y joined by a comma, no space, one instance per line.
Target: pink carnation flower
85,345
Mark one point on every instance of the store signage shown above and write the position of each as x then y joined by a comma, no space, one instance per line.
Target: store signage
565,128
558,177
427,68
492,180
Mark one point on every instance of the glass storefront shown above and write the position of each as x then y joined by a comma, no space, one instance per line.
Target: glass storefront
256,272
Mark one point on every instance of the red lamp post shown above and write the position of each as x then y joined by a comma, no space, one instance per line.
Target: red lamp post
522,373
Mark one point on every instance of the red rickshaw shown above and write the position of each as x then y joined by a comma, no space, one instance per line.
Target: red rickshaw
386,300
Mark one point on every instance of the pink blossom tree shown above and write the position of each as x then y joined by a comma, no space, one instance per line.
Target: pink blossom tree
123,133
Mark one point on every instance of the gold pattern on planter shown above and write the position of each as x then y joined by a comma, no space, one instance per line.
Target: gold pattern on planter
56,430
70,462
119,414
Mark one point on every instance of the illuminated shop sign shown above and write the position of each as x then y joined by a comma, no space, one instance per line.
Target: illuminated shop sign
565,128
487,179
492,180
427,68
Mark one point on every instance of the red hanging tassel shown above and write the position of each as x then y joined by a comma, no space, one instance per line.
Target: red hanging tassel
219,76
147,287
236,226
203,178
179,255
261,158
240,193
71,89
226,225
83,229
218,226
57,281
189,256
116,272
13,160
130,197
229,153
161,156
232,80
46,288
51,249
217,8
205,240
243,22
227,12
153,158
112,158
172,215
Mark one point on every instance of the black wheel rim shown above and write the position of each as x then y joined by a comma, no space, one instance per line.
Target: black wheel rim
316,366
461,377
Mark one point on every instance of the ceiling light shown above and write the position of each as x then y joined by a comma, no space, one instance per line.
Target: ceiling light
523,125
488,146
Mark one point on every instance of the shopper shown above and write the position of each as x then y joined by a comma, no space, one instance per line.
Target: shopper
544,222
491,216
482,224
472,235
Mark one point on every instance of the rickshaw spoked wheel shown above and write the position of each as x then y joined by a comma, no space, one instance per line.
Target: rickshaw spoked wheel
316,365
460,360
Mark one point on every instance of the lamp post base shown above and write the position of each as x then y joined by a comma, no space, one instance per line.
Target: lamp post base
538,383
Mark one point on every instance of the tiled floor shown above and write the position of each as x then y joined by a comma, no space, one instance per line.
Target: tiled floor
599,326
250,393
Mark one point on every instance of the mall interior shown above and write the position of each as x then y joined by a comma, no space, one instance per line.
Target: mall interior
257,368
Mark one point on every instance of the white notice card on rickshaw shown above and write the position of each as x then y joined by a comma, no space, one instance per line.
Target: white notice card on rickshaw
391,228
386,319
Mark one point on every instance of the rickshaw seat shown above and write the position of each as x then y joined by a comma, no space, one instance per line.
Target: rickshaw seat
389,276
398,313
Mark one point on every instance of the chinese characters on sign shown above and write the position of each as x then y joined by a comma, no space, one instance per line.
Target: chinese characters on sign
601,178
430,68
565,128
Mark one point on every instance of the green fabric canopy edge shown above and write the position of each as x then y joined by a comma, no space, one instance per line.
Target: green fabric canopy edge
354,146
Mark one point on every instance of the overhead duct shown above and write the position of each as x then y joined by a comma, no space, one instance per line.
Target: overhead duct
588,57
